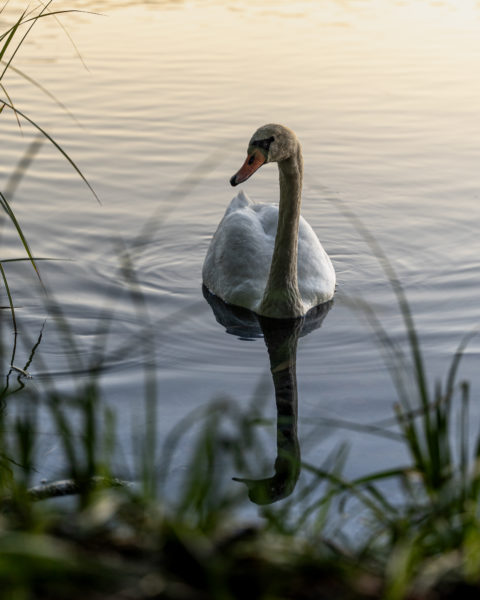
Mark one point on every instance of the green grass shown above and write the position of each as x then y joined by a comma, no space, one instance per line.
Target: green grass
120,540
12,39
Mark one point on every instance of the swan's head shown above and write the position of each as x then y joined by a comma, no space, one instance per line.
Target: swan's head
270,143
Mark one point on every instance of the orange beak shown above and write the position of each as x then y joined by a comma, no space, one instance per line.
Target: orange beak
254,161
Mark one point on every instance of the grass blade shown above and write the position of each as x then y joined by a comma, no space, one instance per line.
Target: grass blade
38,85
10,35
57,146
21,21
3,105
10,300
65,30
6,207
452,372
400,295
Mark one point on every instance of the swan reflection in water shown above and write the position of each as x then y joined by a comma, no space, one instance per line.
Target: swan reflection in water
281,338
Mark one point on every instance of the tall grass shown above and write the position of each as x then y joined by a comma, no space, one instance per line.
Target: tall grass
12,39
150,540
145,538
430,538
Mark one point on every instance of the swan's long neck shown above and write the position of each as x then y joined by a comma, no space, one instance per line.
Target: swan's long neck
281,298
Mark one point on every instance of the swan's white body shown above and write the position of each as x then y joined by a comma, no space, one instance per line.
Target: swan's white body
238,260
268,258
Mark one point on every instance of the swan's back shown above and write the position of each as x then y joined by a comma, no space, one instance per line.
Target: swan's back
238,260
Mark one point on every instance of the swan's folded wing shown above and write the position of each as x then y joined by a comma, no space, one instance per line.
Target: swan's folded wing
238,259
316,275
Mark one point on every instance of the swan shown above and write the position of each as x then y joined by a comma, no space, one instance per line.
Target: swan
263,257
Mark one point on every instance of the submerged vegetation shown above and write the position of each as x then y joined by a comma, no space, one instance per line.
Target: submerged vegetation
121,536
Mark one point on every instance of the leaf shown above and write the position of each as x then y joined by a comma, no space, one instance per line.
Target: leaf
57,146
6,207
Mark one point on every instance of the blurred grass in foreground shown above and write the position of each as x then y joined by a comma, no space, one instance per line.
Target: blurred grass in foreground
137,535
118,539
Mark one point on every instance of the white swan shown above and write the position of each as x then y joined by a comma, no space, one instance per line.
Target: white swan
268,258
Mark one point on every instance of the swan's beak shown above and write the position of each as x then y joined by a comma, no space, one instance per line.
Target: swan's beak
254,161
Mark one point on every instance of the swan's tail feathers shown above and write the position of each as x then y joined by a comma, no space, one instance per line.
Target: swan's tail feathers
241,200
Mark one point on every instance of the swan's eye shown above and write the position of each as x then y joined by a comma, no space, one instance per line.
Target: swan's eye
264,144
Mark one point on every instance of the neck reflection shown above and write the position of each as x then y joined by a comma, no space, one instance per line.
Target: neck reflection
281,339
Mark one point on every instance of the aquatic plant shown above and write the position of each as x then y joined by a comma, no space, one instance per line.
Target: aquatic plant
429,539
11,40
147,540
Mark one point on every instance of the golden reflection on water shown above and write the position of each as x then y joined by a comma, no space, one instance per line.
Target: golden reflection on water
374,61
374,82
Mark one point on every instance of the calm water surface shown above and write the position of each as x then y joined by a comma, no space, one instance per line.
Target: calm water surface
385,99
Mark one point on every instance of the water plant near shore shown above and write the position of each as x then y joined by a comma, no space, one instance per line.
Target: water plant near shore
12,37
144,540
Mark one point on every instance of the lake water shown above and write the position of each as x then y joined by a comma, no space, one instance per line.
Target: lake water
385,99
